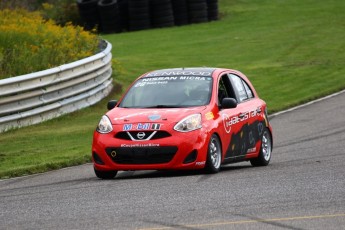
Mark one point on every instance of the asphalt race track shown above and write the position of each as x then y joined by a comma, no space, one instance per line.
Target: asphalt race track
302,188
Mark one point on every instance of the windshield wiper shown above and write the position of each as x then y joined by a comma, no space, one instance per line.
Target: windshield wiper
163,106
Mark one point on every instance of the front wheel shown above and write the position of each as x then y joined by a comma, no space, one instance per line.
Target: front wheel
265,150
105,174
214,155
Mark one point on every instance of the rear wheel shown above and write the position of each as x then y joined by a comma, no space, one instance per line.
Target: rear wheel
214,155
105,174
265,150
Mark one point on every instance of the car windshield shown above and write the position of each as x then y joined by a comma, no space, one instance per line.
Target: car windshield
168,92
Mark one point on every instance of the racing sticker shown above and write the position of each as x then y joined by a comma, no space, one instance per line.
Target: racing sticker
139,145
229,121
209,116
244,141
141,126
179,73
164,80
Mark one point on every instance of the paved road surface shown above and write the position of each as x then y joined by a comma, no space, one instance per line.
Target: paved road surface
302,188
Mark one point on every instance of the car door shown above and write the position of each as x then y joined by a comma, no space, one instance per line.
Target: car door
233,120
247,135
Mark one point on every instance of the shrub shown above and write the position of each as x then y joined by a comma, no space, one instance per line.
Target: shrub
61,11
28,43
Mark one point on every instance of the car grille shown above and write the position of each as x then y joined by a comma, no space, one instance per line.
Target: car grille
142,155
142,135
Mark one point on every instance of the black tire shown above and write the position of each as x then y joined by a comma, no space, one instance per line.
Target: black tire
138,3
138,10
265,150
163,13
139,25
87,4
181,22
214,155
106,175
159,2
161,8
196,1
197,6
198,16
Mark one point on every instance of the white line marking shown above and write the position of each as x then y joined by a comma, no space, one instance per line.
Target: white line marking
306,104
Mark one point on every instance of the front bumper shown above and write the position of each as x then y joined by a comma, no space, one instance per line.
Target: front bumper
178,151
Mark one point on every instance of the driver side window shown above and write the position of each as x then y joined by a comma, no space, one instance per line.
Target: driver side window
225,89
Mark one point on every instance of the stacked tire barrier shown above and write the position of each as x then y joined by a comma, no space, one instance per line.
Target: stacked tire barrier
109,13
161,13
197,10
130,15
36,97
212,10
180,12
139,14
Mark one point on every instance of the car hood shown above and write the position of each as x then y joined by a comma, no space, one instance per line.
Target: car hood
133,115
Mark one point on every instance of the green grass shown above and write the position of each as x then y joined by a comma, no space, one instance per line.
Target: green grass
292,51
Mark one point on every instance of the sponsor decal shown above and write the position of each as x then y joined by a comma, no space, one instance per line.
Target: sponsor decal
209,116
179,73
127,127
141,84
199,163
160,80
144,126
141,126
229,121
245,140
154,117
139,145
156,126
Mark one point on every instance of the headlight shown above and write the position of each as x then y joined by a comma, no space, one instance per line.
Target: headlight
104,125
189,123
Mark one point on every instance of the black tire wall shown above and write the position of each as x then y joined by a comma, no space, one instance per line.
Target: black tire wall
115,16
139,14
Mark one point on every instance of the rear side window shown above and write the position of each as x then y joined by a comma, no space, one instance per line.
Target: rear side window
241,87
248,90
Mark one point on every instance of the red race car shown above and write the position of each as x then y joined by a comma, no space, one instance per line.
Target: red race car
185,118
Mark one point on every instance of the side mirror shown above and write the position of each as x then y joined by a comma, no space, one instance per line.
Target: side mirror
229,103
111,104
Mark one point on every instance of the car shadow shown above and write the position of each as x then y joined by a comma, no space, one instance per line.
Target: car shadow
142,174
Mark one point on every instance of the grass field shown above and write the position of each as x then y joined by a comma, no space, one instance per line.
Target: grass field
292,51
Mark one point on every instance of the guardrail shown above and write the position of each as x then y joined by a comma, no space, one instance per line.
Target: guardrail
36,97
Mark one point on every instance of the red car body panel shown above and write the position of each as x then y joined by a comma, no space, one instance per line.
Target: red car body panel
230,125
